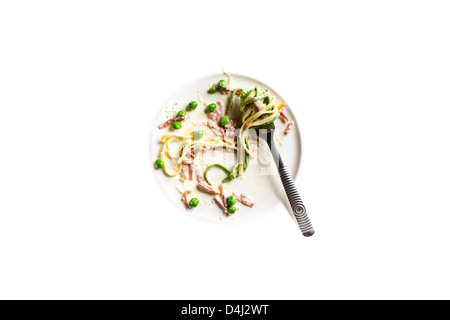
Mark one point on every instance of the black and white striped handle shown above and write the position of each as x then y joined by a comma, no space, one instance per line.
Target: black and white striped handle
296,202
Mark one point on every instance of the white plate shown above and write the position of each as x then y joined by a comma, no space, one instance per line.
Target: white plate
260,182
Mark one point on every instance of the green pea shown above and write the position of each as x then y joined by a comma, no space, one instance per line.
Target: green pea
198,134
231,201
181,113
225,120
222,85
212,90
159,164
177,125
232,209
192,105
211,107
193,202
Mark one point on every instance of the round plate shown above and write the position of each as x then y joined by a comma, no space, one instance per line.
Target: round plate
260,182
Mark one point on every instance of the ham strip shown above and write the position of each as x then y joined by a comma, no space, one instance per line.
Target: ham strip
185,199
196,148
289,127
227,90
219,200
230,129
215,118
184,172
215,128
202,183
259,105
226,131
191,171
243,199
170,121
190,154
283,115
222,193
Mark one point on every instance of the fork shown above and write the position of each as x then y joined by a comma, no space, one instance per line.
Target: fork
267,133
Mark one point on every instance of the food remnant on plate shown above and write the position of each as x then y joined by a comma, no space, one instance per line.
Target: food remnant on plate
219,201
284,116
185,199
224,127
243,199
171,121
289,127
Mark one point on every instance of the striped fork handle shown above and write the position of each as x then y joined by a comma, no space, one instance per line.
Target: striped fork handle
296,202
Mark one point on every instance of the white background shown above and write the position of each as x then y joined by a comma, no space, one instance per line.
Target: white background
82,217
